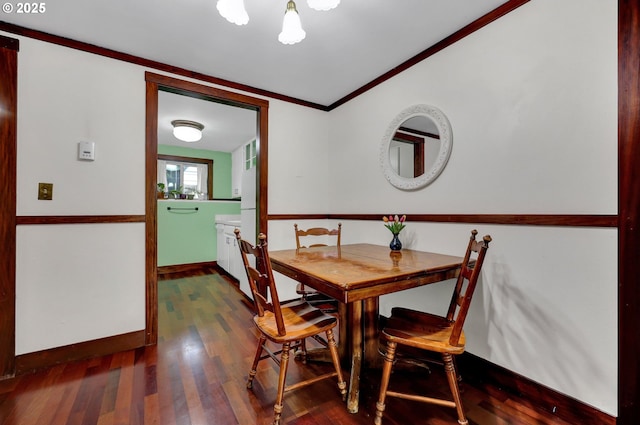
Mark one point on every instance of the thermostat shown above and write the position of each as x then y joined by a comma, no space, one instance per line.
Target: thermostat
86,151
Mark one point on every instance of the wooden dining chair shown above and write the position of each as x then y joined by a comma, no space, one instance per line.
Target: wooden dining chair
313,237
444,335
283,323
310,238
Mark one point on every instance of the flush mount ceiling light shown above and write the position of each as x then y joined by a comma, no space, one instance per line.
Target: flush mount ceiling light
292,32
187,131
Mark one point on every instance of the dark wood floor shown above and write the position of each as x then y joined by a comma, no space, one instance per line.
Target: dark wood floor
196,375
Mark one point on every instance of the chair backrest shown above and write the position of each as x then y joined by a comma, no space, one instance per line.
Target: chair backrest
466,284
317,231
261,281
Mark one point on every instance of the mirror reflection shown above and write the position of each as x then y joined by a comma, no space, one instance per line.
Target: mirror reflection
416,147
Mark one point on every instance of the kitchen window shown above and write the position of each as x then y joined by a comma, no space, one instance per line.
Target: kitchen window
186,175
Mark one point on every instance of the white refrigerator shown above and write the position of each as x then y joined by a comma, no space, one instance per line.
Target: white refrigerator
248,217
248,205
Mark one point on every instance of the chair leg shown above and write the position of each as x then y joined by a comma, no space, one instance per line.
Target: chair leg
303,350
453,384
254,367
384,383
284,364
333,348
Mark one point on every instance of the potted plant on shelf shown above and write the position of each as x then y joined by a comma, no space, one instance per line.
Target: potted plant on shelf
160,191
176,193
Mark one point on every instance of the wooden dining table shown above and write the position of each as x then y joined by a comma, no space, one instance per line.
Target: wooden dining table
356,275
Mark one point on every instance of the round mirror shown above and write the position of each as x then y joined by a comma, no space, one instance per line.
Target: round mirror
416,147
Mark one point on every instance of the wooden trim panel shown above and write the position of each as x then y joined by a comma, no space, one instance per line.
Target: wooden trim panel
9,43
298,216
566,220
151,202
629,211
30,362
8,176
78,219
188,268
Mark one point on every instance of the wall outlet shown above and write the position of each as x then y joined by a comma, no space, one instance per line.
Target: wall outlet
45,191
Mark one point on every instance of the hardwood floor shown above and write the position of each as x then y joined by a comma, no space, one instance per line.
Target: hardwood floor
196,375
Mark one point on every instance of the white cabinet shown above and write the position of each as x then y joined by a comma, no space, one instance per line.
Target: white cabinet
232,251
229,257
221,246
236,266
237,167
242,159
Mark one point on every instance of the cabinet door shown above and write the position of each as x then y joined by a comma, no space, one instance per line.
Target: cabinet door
226,254
241,274
235,258
221,248
237,167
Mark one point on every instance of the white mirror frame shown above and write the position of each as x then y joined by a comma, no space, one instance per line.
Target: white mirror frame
446,140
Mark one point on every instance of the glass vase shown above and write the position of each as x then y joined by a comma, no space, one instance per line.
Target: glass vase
395,244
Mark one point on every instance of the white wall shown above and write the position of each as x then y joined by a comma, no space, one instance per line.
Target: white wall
77,283
64,97
299,159
532,100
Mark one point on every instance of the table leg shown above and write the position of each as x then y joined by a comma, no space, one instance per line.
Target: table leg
344,333
372,358
356,355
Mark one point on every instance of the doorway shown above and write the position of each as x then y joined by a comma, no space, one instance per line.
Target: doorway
154,84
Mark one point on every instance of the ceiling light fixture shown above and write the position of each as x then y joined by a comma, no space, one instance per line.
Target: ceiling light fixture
233,11
292,32
187,131
323,4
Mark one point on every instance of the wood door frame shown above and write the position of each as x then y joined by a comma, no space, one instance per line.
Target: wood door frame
154,83
8,177
628,211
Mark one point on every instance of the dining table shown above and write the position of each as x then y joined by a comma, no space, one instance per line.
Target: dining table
356,275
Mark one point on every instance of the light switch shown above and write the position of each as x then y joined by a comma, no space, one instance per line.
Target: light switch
45,191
